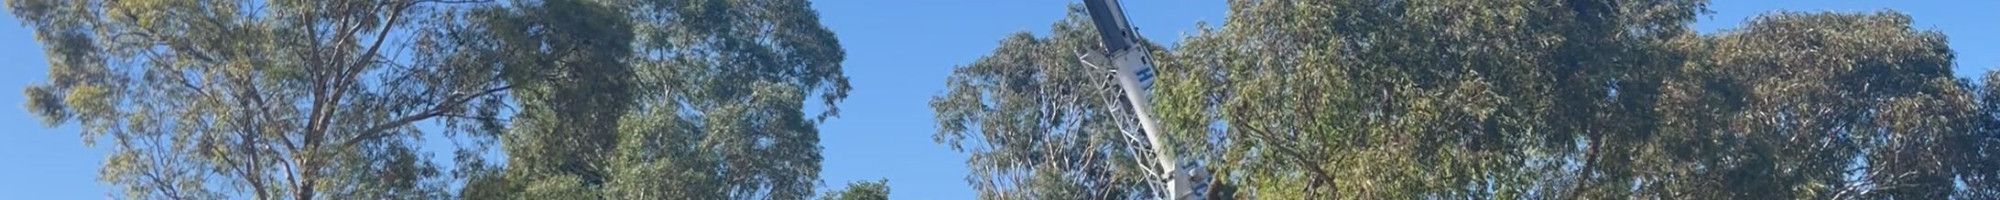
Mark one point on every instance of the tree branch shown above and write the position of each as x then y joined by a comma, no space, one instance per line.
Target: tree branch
1297,157
381,130
347,75
1589,164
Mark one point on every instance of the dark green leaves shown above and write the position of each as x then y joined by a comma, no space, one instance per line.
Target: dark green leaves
663,99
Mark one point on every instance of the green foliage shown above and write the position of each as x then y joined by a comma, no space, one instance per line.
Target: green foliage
243,99
1037,122
1502,99
296,99
861,190
661,99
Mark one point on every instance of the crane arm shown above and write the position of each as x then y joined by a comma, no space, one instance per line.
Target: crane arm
1122,45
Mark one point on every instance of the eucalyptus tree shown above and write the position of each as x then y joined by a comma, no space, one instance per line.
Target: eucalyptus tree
1826,106
317,99
861,190
1424,99
1038,120
259,99
660,99
1504,99
1976,160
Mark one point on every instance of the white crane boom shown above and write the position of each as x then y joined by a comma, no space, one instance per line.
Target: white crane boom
1135,75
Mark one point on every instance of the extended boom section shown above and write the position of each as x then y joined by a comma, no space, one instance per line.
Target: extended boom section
1134,72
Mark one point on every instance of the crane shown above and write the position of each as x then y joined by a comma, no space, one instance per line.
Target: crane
1134,73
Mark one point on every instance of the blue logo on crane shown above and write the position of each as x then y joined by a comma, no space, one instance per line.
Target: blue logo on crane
1145,75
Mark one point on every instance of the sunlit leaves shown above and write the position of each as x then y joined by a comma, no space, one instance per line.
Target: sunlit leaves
1523,99
661,99
236,99
1038,121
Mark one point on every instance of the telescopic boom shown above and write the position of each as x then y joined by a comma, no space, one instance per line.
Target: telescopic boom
1135,75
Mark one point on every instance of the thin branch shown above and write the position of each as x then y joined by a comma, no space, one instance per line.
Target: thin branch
452,115
349,75
381,130
323,108
1589,164
1296,156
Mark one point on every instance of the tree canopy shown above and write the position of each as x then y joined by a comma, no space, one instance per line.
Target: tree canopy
722,99
587,99
862,190
1494,99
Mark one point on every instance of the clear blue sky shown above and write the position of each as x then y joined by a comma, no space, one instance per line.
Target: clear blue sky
899,52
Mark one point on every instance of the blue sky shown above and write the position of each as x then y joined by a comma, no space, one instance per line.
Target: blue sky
899,52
